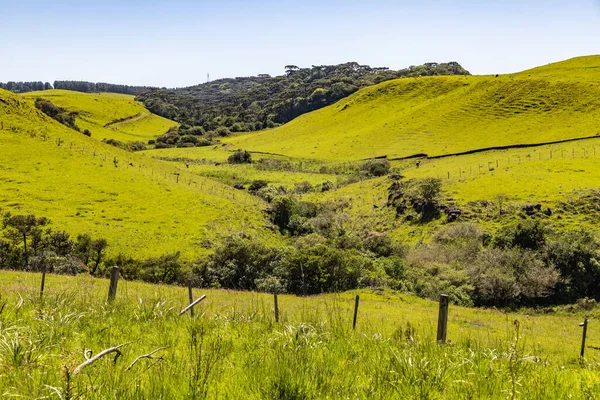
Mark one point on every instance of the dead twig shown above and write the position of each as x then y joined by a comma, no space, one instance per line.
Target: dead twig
149,355
193,304
99,356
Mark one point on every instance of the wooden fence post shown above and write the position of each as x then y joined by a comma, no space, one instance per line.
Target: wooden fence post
43,280
276,305
114,279
584,324
191,296
355,311
443,319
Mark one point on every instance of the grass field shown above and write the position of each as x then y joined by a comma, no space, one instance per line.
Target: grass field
443,115
139,205
234,349
108,115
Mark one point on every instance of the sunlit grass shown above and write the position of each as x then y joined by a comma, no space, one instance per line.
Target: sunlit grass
234,349
101,112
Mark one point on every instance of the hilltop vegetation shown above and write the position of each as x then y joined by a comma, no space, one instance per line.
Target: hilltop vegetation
255,103
444,115
108,115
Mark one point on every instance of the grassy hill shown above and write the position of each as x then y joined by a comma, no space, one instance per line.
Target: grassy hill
108,115
445,115
234,349
140,205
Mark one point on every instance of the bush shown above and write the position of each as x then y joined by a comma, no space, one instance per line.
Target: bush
87,132
376,167
222,131
530,234
429,189
509,277
240,264
303,187
257,185
240,157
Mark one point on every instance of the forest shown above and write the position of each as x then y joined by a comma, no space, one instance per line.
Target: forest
254,103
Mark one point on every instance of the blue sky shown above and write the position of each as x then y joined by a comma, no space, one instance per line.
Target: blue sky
176,43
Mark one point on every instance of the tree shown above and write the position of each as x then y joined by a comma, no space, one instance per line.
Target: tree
83,248
98,248
429,189
61,243
22,227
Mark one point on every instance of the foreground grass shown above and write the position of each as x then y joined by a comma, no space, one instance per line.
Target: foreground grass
233,348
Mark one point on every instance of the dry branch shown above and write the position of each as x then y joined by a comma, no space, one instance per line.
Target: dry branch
193,304
99,356
149,355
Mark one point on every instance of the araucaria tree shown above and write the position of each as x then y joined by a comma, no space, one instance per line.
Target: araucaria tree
20,228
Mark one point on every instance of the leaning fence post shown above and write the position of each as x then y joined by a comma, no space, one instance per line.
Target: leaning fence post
43,280
355,311
584,324
276,307
442,319
191,297
114,278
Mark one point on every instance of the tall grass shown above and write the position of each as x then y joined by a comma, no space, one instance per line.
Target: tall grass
234,349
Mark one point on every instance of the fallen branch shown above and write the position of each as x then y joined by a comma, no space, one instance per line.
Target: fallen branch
99,356
193,304
149,355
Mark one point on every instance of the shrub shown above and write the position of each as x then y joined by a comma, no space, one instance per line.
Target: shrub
303,187
222,131
509,277
376,167
429,189
87,132
239,263
257,185
240,157
529,234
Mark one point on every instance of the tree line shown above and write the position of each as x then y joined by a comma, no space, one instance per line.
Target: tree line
99,87
77,86
24,87
259,102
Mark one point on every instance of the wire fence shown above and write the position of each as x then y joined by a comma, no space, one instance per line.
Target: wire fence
128,162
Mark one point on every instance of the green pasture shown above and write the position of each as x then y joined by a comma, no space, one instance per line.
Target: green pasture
444,115
101,114
143,207
234,349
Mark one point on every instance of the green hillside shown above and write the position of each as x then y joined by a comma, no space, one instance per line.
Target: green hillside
445,115
140,205
108,115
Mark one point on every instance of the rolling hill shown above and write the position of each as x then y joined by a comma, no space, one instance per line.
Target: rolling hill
445,115
108,115
142,206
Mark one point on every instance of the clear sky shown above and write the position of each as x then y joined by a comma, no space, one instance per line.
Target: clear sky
176,43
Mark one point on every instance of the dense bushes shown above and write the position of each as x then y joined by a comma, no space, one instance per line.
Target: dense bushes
524,263
57,113
250,265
